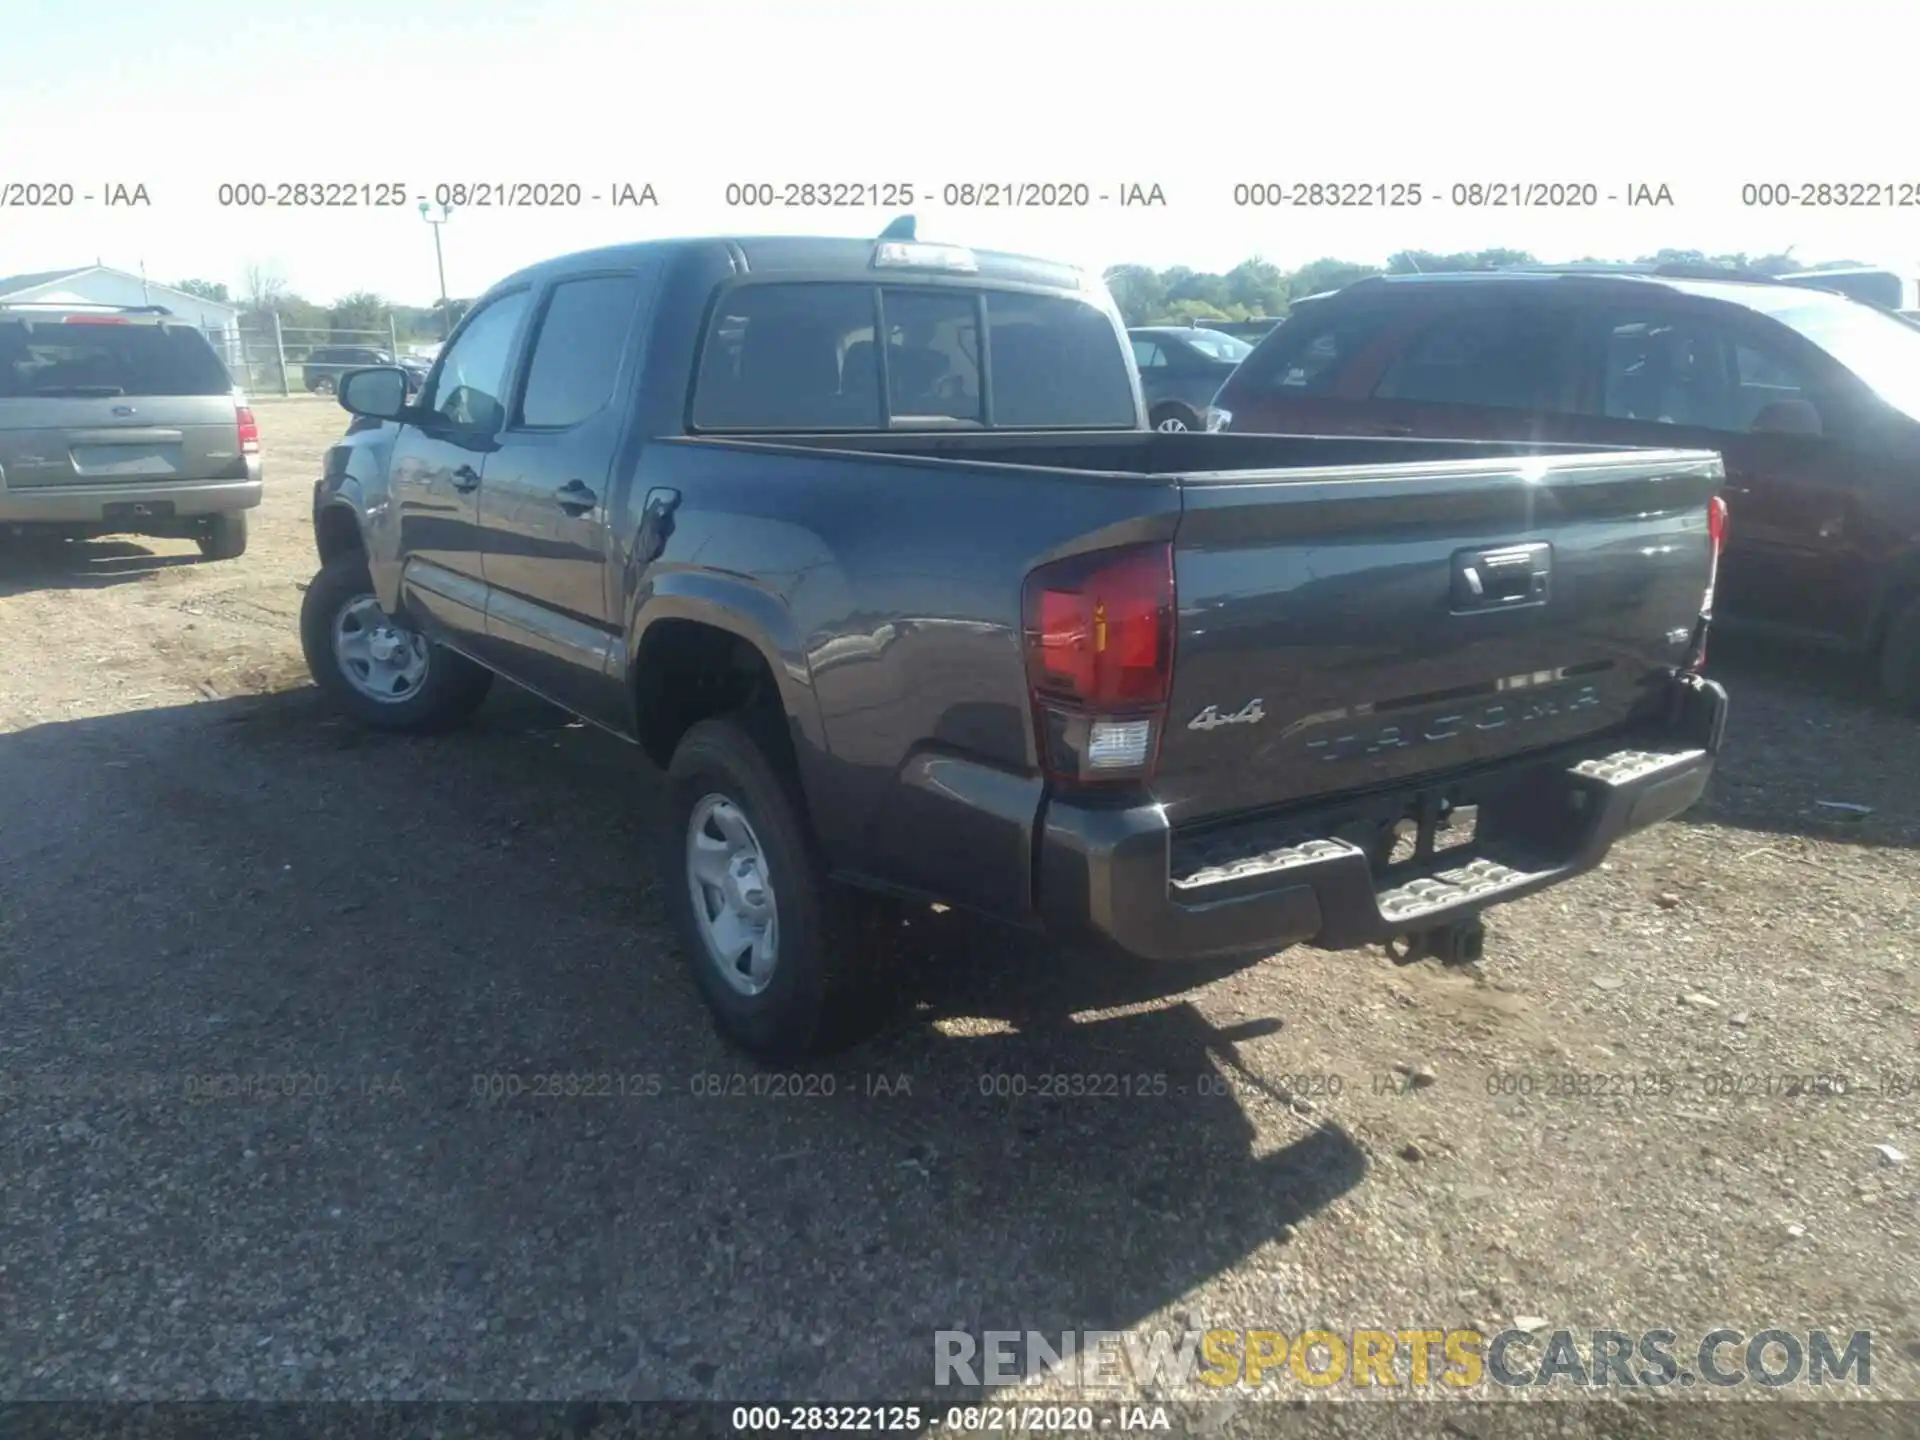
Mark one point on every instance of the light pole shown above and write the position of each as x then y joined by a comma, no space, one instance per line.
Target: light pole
446,309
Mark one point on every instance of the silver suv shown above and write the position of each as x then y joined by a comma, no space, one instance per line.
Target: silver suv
117,421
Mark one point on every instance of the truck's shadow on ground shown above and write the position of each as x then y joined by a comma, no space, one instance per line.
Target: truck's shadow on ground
428,928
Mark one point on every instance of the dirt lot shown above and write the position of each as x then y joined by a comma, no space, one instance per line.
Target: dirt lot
203,876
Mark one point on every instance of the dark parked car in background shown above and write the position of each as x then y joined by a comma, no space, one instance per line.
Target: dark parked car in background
1180,369
1251,331
1812,398
323,367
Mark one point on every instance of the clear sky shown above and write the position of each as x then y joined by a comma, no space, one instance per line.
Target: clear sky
185,95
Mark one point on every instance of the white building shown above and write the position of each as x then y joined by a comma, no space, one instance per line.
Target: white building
103,285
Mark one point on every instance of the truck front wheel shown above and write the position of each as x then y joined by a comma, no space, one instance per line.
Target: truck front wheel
380,672
785,959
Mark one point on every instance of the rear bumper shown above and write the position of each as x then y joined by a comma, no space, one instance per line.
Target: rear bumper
87,505
1124,876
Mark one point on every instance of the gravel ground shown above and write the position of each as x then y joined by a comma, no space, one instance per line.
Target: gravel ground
204,876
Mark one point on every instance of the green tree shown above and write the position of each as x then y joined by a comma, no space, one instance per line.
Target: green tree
301,314
1428,262
1179,312
1138,291
205,289
1257,288
1328,274
1197,285
361,311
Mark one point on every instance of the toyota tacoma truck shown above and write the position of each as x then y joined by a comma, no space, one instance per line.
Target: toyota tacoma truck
868,545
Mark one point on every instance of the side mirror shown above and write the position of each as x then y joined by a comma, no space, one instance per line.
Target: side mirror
378,392
1787,417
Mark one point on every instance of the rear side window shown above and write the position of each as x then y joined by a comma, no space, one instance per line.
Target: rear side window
1502,359
577,352
54,358
1693,370
776,359
1055,364
803,356
1309,354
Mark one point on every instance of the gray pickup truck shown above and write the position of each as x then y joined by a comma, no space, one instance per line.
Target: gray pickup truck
867,544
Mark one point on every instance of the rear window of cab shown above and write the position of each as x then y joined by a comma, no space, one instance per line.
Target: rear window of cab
807,356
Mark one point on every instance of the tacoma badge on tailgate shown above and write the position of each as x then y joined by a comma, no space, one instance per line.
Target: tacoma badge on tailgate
1211,718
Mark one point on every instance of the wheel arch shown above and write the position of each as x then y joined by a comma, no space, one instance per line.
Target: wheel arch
703,646
336,531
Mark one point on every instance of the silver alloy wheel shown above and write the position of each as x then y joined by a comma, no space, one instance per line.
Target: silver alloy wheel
1173,423
382,660
733,899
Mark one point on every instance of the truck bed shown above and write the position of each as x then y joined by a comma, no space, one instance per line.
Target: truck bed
1322,577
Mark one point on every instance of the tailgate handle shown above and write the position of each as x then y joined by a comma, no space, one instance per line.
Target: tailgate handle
1508,578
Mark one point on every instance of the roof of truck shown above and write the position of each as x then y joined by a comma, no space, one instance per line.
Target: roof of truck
814,254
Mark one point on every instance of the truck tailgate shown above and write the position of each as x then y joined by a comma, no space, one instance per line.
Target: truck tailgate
1347,629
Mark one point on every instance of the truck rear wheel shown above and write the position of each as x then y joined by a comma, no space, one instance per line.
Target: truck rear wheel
382,673
786,960
1900,657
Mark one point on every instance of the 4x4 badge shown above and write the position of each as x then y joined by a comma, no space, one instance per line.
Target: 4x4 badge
1211,718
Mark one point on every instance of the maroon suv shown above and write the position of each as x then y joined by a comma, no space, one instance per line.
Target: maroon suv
1813,399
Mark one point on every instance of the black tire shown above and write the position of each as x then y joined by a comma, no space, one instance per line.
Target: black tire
453,687
321,385
825,989
1180,415
1900,657
224,537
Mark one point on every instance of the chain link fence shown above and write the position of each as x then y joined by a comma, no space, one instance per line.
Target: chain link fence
272,358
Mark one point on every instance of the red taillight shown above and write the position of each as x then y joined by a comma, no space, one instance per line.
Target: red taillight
1716,542
96,320
249,430
1099,642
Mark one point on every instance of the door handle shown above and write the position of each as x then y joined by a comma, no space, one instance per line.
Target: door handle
575,498
466,479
